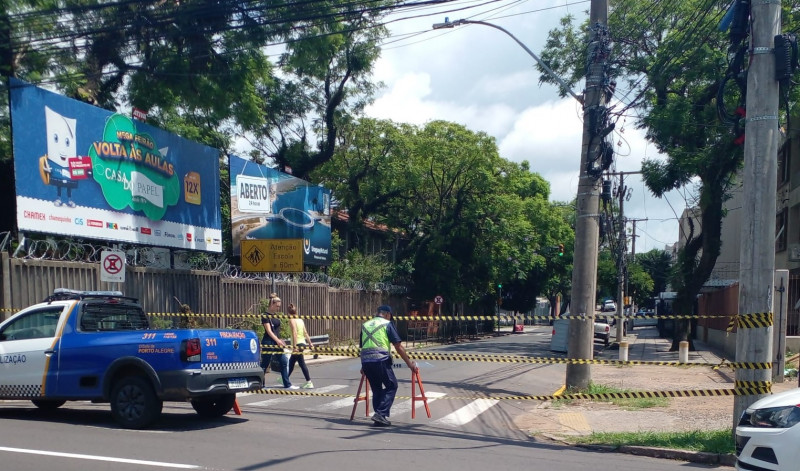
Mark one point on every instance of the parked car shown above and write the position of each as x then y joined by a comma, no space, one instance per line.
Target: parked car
98,346
558,340
609,306
768,434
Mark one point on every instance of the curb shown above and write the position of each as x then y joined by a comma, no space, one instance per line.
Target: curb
702,457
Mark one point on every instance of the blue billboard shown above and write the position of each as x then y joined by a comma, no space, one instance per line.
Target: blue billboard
268,204
86,172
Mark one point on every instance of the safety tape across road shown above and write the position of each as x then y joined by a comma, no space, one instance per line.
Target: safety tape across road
759,388
418,355
760,319
762,316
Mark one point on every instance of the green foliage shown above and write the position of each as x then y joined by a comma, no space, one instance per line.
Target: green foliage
369,269
710,441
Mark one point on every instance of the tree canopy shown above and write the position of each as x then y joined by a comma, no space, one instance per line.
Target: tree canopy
668,64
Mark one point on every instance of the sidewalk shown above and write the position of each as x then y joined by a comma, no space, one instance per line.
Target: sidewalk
681,414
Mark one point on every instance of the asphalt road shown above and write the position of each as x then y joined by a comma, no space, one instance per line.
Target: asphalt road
310,432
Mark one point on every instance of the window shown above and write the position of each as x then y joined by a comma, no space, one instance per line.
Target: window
34,325
781,220
783,163
102,316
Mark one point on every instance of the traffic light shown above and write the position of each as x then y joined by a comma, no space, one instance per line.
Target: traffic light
499,285
560,250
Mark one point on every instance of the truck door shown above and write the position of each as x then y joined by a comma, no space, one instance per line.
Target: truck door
27,347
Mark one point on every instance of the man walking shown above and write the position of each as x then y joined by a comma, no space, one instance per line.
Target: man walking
377,336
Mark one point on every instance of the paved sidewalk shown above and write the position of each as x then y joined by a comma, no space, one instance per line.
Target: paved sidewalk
561,422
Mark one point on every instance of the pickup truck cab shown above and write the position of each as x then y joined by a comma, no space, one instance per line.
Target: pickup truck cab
98,346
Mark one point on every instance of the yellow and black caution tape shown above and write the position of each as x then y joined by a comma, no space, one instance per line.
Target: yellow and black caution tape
428,318
488,358
754,388
750,321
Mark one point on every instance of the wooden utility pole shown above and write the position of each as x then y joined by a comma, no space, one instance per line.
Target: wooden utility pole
757,252
584,274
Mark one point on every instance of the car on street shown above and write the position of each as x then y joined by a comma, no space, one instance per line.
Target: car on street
609,306
558,340
768,434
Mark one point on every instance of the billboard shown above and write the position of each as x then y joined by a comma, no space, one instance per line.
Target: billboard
86,172
268,204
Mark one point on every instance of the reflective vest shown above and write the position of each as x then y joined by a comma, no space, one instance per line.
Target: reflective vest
375,342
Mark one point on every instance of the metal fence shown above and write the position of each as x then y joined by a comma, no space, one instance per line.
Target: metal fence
216,299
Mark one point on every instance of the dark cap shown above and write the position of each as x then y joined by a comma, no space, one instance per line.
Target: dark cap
385,308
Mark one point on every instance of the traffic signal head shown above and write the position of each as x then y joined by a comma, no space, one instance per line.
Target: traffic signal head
560,250
499,285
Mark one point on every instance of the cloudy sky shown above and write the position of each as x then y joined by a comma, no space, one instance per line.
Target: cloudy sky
478,76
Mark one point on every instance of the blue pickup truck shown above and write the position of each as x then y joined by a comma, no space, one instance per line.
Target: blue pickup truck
98,346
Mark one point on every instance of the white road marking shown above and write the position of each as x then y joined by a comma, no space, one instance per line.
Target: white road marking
279,400
338,404
467,413
405,406
100,458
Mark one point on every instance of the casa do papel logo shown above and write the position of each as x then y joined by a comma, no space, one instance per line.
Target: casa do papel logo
132,171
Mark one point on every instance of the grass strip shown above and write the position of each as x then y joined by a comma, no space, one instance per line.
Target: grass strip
712,441
626,403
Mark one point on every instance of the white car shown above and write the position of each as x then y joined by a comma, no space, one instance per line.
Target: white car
768,434
609,306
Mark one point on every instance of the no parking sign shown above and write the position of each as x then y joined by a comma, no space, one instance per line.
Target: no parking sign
112,266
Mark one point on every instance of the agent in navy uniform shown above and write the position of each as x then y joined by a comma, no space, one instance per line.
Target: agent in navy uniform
377,336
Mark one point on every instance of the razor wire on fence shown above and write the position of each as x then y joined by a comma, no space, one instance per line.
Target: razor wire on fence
67,250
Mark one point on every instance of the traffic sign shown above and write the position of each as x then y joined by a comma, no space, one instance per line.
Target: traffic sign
272,255
438,299
112,266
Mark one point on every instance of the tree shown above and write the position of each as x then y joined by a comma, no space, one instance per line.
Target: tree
657,264
671,60
467,217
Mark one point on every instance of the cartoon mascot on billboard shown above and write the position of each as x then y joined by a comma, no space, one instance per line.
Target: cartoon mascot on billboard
62,167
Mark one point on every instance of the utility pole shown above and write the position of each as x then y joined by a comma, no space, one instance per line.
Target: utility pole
757,251
595,128
622,194
633,222
620,321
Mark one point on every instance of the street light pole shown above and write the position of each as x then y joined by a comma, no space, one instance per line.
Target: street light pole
453,24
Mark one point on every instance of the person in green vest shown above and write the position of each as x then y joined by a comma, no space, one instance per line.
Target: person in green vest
377,336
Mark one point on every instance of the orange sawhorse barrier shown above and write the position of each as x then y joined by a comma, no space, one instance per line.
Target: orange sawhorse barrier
359,397
416,380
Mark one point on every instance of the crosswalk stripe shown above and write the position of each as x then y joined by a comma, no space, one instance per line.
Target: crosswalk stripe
337,404
466,413
279,400
405,406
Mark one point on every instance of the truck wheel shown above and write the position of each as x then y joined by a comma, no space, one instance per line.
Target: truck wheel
48,404
134,404
214,406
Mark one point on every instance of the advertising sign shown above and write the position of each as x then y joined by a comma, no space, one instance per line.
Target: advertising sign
267,204
86,172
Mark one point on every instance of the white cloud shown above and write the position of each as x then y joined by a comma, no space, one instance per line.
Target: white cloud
476,76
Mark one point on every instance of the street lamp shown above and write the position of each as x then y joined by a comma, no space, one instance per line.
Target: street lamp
453,24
